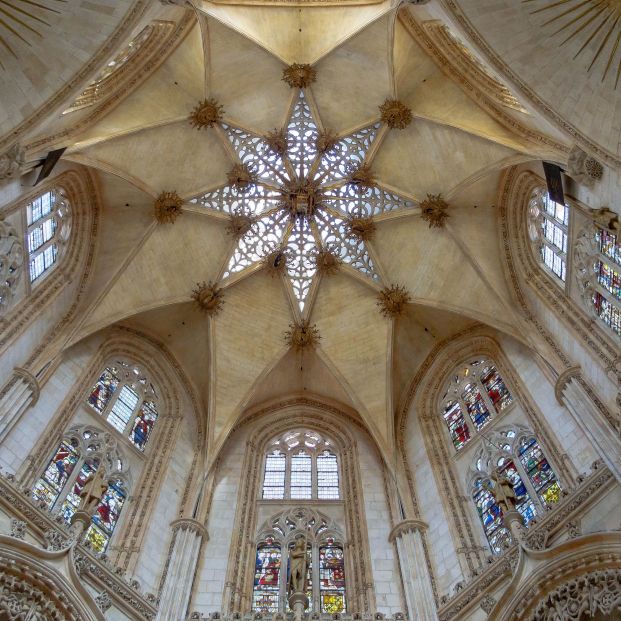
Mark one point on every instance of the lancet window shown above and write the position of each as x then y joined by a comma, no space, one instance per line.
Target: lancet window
301,465
125,397
48,223
325,585
549,231
82,453
514,455
476,393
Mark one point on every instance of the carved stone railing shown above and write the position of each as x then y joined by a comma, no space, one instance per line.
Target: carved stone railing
281,616
563,517
52,533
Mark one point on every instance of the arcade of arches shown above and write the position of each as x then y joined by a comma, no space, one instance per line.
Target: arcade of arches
310,310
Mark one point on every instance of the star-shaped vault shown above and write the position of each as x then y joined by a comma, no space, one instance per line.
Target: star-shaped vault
299,192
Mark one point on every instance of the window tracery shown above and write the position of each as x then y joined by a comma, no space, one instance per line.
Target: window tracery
125,397
48,226
301,194
81,453
326,585
548,227
301,465
515,454
475,394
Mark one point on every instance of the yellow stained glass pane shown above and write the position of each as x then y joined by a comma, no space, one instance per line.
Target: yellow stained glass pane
332,602
552,494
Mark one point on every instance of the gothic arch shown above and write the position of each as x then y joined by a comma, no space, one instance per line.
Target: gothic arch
572,578
266,423
175,393
80,189
425,395
521,267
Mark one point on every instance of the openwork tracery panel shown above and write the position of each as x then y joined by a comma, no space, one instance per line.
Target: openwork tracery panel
301,188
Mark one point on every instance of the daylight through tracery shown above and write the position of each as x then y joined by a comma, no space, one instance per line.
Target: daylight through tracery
301,191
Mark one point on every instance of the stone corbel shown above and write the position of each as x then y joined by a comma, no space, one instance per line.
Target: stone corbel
407,526
562,381
190,524
12,162
32,382
584,168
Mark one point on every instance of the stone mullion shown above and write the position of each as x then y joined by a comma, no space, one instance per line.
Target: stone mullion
152,477
453,494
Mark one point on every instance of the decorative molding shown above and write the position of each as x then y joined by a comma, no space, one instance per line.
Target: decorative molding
563,379
11,261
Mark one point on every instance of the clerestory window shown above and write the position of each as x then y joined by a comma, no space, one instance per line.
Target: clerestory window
476,393
125,397
301,465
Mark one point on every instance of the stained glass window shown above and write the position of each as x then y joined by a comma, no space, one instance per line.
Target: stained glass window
72,500
539,472
56,475
523,502
265,595
491,517
106,516
125,398
454,418
327,476
274,478
332,578
475,388
607,286
46,215
301,475
475,405
104,389
496,389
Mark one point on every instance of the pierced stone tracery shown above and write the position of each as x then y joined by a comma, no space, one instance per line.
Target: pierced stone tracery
306,190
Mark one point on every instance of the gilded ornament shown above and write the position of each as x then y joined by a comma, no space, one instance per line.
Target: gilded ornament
276,261
326,261
206,113
167,207
301,197
326,141
302,335
362,228
434,210
392,300
278,141
299,75
208,297
361,176
395,114
240,176
239,224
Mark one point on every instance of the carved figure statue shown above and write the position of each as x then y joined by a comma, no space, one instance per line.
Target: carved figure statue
297,565
92,490
504,492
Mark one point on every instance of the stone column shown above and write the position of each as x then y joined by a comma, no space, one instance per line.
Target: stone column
188,535
18,394
592,417
407,536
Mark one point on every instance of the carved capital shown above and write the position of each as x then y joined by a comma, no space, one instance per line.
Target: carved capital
407,526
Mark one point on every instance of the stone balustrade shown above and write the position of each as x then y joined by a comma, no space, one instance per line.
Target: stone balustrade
281,616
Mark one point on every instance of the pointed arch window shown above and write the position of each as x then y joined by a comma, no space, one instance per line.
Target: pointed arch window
78,457
325,562
517,457
606,297
301,465
549,232
476,393
48,223
125,397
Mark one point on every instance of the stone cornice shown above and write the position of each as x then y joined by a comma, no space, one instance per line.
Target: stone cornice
406,526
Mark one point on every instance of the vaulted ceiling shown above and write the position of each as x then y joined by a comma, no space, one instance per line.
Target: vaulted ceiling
145,272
